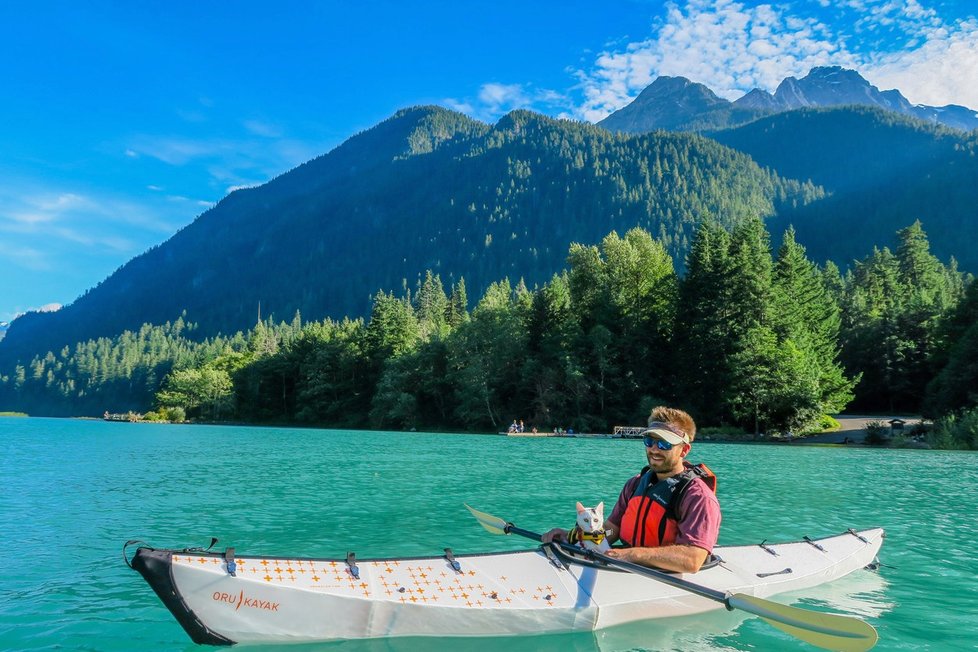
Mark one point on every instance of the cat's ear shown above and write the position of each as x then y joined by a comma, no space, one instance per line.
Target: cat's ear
580,507
600,507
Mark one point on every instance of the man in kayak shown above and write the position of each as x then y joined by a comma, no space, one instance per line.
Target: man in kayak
667,515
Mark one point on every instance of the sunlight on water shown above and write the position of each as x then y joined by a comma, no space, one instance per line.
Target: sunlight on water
76,490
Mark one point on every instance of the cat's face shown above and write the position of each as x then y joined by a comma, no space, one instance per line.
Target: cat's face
590,519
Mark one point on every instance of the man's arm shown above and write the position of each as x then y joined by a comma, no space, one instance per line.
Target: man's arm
679,558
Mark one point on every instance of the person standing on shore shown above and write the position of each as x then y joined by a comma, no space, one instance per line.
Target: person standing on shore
667,516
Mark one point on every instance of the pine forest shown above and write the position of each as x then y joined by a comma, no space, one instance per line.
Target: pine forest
750,335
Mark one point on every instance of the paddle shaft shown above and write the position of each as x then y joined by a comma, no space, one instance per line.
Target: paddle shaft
665,578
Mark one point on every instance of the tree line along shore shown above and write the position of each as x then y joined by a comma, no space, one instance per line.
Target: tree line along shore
748,340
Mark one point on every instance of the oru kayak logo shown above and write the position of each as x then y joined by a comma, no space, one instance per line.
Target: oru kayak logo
241,600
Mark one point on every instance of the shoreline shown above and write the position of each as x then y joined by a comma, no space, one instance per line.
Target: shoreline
851,433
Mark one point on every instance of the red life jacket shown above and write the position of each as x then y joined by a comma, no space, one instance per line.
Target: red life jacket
650,515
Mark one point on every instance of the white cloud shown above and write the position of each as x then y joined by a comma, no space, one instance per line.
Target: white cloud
500,95
941,70
263,129
726,45
460,105
177,150
259,154
734,46
243,186
96,220
494,99
47,307
29,258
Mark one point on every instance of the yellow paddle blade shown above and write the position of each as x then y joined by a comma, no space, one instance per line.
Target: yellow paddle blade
828,631
492,523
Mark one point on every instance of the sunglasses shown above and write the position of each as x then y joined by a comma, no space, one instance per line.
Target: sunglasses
652,442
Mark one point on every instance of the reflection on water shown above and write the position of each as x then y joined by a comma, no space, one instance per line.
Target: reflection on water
860,594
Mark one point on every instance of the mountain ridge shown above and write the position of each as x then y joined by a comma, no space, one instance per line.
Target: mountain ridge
427,188
823,86
881,171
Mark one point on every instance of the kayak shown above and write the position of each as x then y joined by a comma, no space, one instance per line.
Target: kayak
222,599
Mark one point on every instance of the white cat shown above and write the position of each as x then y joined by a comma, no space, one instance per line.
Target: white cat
589,531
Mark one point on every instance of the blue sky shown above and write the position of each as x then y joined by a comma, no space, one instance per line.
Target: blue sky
122,122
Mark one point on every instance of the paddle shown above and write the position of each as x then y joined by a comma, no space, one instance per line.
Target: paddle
829,631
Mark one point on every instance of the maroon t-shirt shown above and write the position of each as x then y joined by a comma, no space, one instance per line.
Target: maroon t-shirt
698,513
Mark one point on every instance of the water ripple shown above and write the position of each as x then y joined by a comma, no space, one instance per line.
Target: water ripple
76,490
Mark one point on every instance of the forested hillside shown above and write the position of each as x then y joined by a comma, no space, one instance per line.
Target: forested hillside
745,338
426,189
881,171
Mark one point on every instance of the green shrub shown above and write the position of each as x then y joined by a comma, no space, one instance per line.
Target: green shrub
955,431
899,440
176,414
723,432
876,433
826,422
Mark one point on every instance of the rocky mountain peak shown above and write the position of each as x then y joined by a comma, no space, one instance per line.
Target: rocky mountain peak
678,103
666,103
834,86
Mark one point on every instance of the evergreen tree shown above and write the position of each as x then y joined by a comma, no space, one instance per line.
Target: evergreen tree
431,307
704,329
893,310
485,357
392,329
870,340
335,384
457,311
807,314
955,386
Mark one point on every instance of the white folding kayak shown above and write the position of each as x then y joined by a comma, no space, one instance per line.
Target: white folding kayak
220,598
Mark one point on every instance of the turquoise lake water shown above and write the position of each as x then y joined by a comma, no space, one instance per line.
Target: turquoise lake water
74,491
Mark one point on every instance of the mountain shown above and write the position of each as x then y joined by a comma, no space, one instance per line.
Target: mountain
676,103
882,171
3,329
834,86
680,105
426,189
